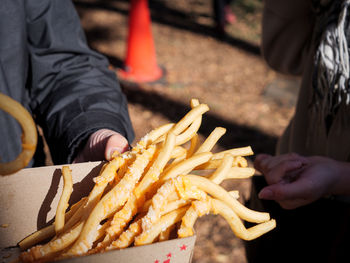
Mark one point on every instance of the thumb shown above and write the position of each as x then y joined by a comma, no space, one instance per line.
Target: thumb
100,145
288,195
115,144
281,191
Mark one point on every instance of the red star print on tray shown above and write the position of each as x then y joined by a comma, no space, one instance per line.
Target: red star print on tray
165,261
182,248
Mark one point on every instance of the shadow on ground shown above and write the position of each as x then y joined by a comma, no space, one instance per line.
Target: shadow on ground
236,136
162,13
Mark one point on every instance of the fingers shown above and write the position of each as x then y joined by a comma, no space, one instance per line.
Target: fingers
276,168
101,145
259,161
291,195
265,162
281,172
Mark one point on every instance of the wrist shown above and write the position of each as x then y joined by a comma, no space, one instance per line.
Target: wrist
341,179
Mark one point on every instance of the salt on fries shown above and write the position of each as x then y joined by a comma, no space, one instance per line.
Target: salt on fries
148,193
29,135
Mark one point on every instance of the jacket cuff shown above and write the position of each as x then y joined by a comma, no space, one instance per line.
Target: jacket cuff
74,135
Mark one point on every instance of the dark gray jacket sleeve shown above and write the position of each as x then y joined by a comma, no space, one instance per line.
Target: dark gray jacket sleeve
73,93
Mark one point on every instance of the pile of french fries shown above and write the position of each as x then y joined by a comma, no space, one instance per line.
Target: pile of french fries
150,192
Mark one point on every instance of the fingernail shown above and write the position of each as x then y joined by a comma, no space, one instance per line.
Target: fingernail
266,194
114,152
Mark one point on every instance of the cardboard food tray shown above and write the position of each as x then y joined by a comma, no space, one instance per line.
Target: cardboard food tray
28,202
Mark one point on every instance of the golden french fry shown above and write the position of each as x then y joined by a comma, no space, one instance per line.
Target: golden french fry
158,201
165,234
186,165
234,194
106,176
117,224
47,252
197,209
243,151
48,231
175,162
171,197
147,237
194,103
37,237
189,118
75,208
220,174
157,167
219,207
63,202
173,205
127,237
238,161
154,135
192,130
221,194
212,139
178,152
240,173
193,146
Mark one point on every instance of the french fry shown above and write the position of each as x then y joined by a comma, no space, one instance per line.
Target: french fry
48,231
165,234
47,252
193,146
189,118
165,221
197,209
220,193
219,207
127,237
238,161
243,151
186,165
153,173
220,174
193,128
63,202
212,139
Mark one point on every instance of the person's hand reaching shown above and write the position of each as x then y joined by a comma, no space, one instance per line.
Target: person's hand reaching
278,168
101,145
295,180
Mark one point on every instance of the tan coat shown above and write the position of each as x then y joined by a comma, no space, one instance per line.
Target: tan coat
287,46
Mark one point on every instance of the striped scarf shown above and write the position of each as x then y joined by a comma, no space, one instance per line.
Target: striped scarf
331,81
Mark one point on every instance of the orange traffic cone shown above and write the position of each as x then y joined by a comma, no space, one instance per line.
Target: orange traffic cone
140,64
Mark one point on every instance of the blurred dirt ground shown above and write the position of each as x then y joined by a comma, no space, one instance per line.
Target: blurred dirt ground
251,101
